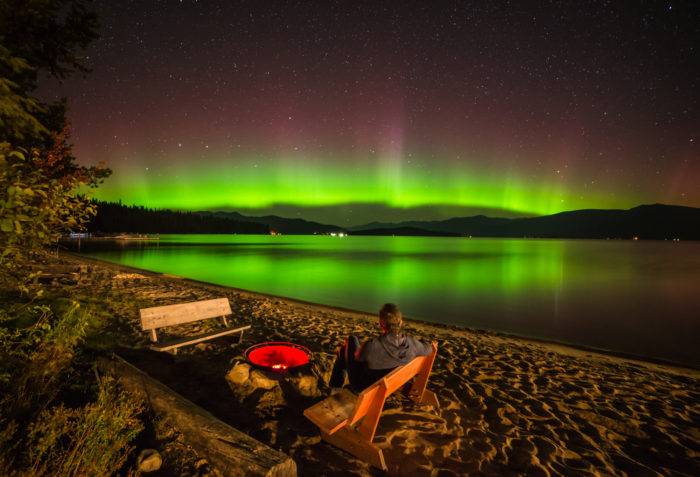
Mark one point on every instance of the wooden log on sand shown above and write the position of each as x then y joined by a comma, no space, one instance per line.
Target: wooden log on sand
231,451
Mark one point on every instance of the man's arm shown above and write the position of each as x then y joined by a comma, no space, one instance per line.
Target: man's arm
422,348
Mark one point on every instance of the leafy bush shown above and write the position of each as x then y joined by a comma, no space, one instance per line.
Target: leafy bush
40,201
40,434
41,198
92,440
36,356
40,180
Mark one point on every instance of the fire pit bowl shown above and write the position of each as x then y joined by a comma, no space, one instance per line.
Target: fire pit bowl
277,356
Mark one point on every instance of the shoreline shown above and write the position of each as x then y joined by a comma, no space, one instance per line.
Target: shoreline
562,347
507,405
468,237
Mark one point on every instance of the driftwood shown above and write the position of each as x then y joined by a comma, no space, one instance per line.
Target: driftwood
229,450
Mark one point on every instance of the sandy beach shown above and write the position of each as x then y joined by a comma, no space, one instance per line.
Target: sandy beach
509,406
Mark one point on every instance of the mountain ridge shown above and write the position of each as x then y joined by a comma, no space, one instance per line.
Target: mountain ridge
650,221
279,224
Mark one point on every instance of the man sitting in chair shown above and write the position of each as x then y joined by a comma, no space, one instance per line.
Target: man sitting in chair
364,364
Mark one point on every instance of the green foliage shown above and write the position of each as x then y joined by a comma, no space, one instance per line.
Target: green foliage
39,177
37,347
39,202
38,36
92,440
40,435
41,188
48,33
18,111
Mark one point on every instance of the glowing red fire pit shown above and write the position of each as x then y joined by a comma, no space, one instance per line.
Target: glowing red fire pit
277,356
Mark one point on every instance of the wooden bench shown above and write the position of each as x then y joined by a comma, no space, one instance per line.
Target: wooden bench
349,422
158,317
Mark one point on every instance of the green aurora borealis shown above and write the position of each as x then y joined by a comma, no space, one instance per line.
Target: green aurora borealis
348,114
255,184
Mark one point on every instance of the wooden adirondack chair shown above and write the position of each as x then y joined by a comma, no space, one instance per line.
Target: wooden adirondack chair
349,422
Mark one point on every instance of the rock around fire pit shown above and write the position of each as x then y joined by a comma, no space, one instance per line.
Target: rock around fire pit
278,356
273,374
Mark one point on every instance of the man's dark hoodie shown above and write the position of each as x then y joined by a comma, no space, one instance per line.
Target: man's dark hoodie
391,350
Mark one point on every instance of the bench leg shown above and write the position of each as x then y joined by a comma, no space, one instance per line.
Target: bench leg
172,351
352,442
430,398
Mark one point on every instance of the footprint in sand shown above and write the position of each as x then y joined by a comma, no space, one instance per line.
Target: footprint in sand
537,408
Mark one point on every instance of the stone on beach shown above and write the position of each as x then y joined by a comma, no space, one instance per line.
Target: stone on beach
253,386
258,380
269,389
305,385
149,460
239,374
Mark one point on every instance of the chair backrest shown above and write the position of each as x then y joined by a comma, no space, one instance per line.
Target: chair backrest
370,402
170,315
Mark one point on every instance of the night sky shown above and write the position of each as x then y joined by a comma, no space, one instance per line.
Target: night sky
347,112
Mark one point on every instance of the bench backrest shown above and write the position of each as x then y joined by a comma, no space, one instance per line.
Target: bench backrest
370,402
170,315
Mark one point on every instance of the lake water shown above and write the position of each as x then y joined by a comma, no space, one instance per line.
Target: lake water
641,298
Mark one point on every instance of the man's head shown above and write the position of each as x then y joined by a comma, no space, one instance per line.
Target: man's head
390,318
